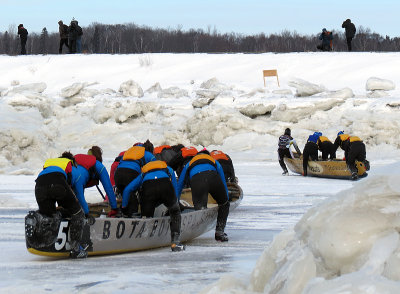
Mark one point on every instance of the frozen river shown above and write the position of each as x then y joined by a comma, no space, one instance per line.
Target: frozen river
271,203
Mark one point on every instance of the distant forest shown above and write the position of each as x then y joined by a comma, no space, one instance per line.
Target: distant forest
131,38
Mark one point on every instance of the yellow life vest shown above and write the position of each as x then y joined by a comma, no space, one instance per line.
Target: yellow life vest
355,139
344,137
60,162
134,153
154,165
323,139
200,157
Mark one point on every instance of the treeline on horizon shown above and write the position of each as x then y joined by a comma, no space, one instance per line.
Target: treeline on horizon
131,38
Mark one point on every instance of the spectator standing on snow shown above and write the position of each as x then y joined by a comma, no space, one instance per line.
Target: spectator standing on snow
63,30
78,38
72,36
326,38
350,30
23,35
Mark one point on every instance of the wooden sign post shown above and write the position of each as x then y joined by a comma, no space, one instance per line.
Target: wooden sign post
270,73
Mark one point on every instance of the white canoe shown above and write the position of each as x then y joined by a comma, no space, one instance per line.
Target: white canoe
119,235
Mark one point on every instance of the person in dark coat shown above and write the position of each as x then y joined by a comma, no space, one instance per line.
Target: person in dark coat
326,38
350,29
78,38
23,35
63,30
72,36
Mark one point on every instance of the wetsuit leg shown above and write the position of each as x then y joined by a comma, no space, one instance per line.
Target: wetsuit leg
281,155
356,152
123,177
199,184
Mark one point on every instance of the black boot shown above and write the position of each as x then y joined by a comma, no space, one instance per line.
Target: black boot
78,252
221,236
223,211
175,225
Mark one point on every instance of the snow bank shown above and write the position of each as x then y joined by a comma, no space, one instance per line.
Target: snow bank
350,243
205,100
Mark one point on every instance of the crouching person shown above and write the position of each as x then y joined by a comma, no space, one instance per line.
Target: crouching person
52,186
356,151
159,186
206,176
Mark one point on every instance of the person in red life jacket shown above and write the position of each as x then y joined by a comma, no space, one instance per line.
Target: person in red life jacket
342,141
159,149
226,162
356,151
182,157
310,151
53,186
159,186
92,170
168,154
326,147
206,176
284,143
127,175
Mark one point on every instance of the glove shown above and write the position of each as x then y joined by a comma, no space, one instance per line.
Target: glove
89,219
113,212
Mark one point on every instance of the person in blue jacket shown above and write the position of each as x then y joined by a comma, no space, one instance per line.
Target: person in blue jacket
205,176
127,173
53,186
310,150
159,186
89,171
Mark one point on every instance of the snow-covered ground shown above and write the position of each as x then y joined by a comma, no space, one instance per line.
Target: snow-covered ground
345,242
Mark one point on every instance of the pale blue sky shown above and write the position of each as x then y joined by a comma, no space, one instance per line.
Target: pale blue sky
241,16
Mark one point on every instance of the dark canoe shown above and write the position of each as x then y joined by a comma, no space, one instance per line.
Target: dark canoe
335,169
50,236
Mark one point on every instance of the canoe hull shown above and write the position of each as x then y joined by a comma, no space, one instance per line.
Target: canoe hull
119,235
335,169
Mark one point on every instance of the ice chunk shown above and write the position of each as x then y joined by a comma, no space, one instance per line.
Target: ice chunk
304,88
131,89
374,83
254,110
172,92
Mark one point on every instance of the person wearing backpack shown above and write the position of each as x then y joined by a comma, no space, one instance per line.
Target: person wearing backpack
350,30
284,143
63,30
78,38
326,38
72,36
